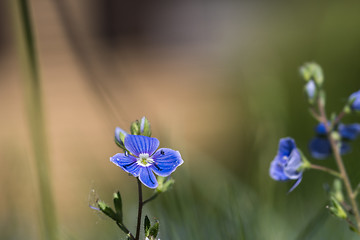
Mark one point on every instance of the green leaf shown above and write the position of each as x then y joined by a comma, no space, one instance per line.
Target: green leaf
107,210
147,226
118,206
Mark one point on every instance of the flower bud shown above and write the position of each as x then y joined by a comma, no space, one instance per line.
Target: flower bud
310,89
119,137
312,71
145,128
354,101
135,128
336,209
164,184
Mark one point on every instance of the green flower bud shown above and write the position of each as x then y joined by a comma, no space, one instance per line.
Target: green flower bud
336,209
135,128
145,128
164,184
312,71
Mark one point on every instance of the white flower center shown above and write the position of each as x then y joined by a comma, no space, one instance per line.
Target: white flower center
144,160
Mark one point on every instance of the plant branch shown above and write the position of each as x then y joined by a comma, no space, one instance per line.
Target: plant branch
151,198
340,164
325,169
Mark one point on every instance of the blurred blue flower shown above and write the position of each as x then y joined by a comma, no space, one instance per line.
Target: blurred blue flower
320,147
355,99
142,160
288,163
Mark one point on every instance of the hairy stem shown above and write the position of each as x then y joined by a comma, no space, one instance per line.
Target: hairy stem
340,164
139,211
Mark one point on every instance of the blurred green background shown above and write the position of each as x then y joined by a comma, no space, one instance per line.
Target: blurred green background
219,82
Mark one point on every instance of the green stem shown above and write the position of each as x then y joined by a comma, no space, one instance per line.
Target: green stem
33,100
340,164
325,169
139,210
151,198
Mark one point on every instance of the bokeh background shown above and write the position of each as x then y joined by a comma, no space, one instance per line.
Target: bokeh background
219,82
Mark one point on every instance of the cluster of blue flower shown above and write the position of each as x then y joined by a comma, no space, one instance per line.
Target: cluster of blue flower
289,163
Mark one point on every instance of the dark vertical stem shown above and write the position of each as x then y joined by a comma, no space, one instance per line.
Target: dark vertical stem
33,100
139,211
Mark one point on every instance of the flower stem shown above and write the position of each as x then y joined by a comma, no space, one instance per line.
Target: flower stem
139,210
151,198
340,164
325,169
36,120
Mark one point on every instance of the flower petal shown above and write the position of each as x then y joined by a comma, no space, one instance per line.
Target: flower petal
355,97
137,144
295,185
320,129
166,161
345,148
291,169
349,131
127,163
320,148
286,145
277,170
147,177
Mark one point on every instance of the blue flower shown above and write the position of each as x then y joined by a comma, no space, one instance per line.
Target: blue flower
288,163
142,160
320,147
355,99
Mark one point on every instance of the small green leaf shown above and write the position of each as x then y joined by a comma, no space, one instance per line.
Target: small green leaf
107,210
118,206
147,226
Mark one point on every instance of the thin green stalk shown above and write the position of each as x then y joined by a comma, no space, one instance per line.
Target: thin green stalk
32,90
340,164
151,198
325,169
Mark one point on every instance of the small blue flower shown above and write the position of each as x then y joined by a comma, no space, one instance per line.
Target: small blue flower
320,147
355,99
288,163
142,160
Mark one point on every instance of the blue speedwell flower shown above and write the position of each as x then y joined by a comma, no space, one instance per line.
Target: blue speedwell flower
355,99
287,164
142,160
320,147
